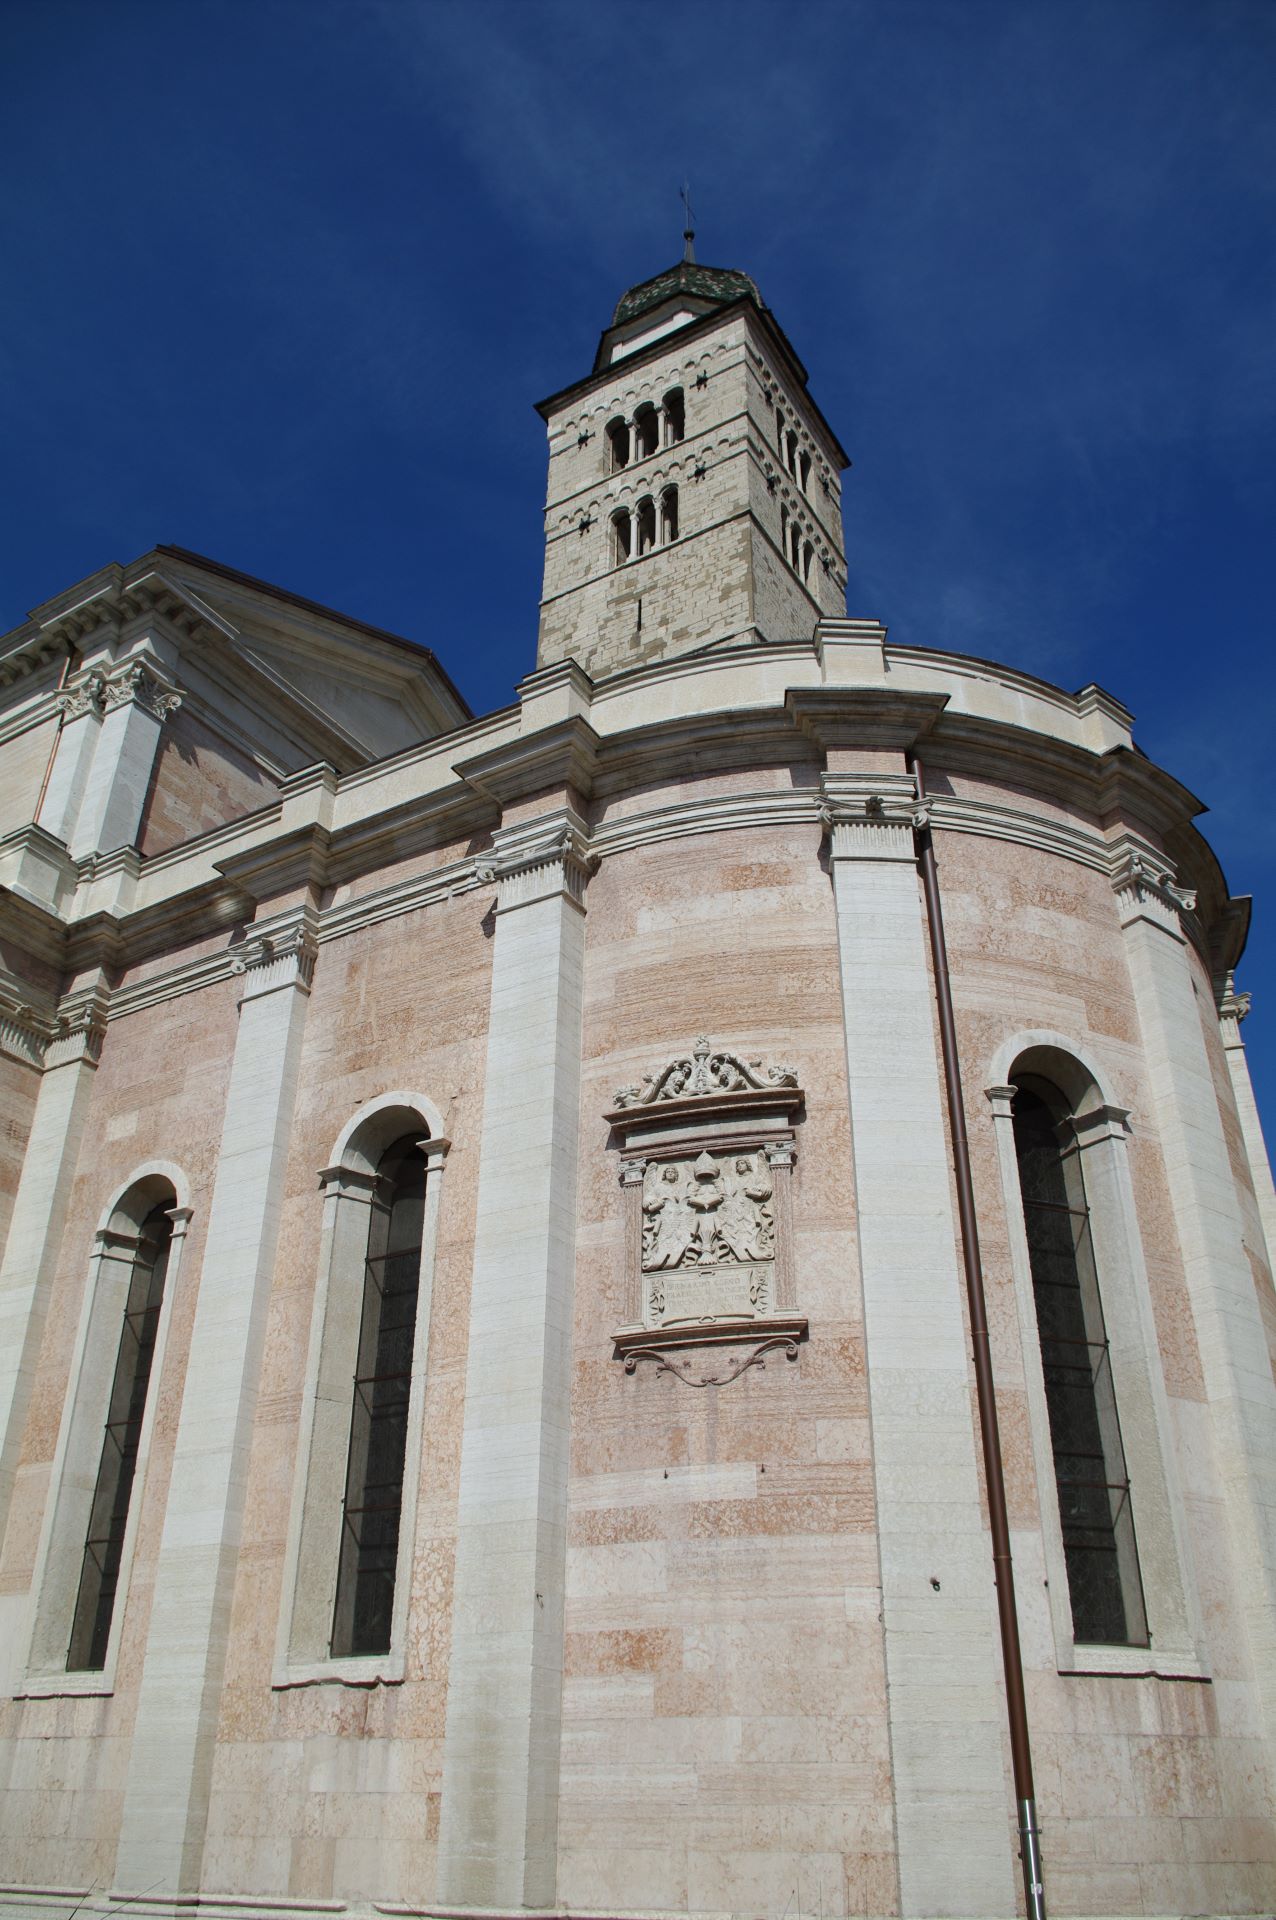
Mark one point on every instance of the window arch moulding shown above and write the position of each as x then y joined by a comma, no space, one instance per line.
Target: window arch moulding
350,1185
75,1475
1100,1135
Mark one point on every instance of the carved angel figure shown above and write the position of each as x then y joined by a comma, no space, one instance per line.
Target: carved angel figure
668,1224
746,1221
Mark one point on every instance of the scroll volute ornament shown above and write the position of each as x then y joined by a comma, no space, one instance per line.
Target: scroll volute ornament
707,1147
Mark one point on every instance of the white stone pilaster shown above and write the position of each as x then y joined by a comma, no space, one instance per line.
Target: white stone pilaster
39,1215
166,1793
953,1809
135,704
1207,1215
1232,1009
497,1840
81,708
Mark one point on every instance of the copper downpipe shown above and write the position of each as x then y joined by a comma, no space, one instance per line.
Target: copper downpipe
1007,1616
71,657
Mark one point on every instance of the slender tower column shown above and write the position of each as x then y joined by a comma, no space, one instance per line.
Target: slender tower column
1207,1215
166,1793
499,1817
952,1800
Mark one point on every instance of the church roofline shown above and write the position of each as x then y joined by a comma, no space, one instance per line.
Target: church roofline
762,316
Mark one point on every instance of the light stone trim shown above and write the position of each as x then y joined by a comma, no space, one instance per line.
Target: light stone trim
938,1615
55,1583
499,1814
1161,1530
1233,1007
762,808
1231,1337
314,1530
26,1273
166,1793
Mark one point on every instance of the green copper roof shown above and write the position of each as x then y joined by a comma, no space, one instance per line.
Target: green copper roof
722,284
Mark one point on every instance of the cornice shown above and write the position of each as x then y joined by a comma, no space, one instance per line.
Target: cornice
562,754
868,717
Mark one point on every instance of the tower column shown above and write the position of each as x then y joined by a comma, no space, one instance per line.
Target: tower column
952,1800
499,1816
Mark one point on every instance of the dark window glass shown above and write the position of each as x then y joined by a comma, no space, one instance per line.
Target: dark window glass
675,417
646,432
618,444
1085,1435
108,1516
379,1415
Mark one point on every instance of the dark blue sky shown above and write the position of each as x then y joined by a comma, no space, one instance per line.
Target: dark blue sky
284,280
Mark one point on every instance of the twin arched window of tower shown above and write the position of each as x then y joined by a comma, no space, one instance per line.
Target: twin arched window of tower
799,553
649,431
1095,1512
636,533
796,459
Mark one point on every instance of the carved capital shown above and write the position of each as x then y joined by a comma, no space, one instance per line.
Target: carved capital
538,866
81,1028
278,956
82,697
1001,1100
140,686
870,817
25,1029
1145,890
1232,1009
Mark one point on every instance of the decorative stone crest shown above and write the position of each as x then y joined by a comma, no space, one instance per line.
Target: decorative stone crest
708,1147
703,1070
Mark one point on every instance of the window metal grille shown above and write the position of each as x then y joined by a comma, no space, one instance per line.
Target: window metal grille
1099,1546
364,1607
108,1515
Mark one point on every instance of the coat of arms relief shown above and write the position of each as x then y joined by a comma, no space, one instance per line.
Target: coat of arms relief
708,1143
708,1236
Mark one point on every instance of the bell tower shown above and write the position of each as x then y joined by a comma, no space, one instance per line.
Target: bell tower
694,494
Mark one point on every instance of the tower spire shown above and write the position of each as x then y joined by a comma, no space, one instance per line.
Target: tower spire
689,230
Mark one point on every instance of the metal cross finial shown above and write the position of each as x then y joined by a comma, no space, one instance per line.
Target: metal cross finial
689,229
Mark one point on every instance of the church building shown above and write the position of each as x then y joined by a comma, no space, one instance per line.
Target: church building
655,1302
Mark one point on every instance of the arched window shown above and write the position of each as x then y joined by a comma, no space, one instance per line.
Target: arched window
621,536
618,445
668,515
646,431
364,1607
645,525
121,1439
784,531
1095,1510
803,470
99,1469
808,555
791,452
350,1538
675,417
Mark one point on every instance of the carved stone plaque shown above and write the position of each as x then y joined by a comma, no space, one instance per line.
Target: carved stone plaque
708,1237
708,1149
